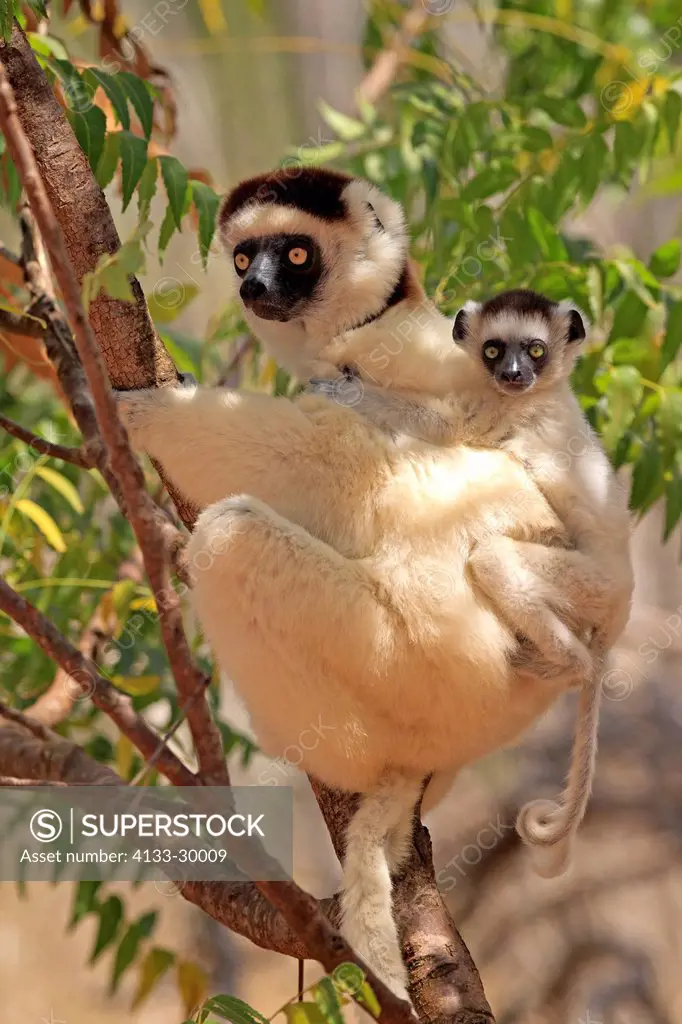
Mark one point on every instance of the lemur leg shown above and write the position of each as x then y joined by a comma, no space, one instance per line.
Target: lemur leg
257,573
527,589
285,613
366,898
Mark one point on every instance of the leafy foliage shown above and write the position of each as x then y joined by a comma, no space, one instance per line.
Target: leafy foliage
493,182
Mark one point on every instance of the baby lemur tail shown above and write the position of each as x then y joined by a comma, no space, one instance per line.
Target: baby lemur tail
551,827
376,844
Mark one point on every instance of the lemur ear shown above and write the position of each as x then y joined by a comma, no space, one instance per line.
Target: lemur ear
460,329
375,215
578,323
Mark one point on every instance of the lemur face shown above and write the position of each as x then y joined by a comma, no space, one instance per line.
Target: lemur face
279,274
514,365
522,340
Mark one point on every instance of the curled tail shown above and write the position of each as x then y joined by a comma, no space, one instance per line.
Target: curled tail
549,826
375,846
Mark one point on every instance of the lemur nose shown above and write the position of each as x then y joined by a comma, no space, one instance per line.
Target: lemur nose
252,288
511,376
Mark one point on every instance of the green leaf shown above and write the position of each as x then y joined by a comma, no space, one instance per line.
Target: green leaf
233,1009
44,521
111,86
206,202
670,417
151,970
489,182
594,167
167,304
6,16
327,1000
673,334
549,243
177,182
672,110
630,316
673,503
85,901
563,111
63,486
167,231
110,917
646,478
133,163
108,162
147,188
89,128
47,46
666,260
624,389
137,92
125,954
347,128
349,978
303,1012
38,7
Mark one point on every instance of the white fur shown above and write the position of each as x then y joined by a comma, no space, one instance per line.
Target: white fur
362,265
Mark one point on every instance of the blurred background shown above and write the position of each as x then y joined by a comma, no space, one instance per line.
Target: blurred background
534,144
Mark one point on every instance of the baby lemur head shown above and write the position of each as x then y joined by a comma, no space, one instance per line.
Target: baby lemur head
315,253
521,339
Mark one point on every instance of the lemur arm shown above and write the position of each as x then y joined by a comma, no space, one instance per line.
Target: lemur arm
436,422
214,442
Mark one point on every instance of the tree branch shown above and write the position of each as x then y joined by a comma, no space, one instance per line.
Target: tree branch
384,70
76,456
16,323
87,678
141,509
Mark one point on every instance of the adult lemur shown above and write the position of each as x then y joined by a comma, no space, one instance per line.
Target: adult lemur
331,562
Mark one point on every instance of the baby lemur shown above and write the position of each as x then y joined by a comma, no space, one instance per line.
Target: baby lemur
517,397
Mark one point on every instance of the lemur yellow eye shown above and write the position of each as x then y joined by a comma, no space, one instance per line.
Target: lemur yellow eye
491,351
536,351
298,256
241,261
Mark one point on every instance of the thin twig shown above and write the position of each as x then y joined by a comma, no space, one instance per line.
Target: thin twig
90,683
17,323
12,783
76,456
384,70
142,512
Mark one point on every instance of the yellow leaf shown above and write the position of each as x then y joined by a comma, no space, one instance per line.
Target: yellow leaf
136,686
266,378
44,521
548,160
152,967
212,13
523,161
63,486
564,10
125,755
193,985
146,604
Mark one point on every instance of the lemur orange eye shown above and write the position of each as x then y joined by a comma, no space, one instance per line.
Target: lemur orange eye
537,350
298,256
491,351
241,261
